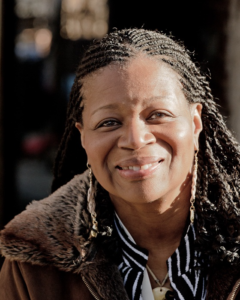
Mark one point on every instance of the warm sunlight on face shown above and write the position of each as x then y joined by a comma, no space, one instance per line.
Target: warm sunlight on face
139,132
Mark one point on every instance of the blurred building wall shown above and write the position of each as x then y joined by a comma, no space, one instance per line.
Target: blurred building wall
233,66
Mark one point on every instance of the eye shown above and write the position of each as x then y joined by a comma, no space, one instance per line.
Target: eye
108,123
158,115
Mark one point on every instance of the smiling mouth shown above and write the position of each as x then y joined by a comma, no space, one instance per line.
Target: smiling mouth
138,168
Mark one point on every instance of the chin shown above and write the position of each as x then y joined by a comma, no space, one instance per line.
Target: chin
137,192
140,196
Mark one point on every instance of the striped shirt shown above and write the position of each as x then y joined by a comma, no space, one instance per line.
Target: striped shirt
187,281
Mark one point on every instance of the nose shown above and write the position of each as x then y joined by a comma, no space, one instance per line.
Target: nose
135,135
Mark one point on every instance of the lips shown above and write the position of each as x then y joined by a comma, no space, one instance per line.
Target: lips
143,162
138,168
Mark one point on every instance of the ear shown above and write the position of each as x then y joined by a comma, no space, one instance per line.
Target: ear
196,111
79,126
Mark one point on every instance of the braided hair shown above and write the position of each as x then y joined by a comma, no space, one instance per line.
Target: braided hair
218,184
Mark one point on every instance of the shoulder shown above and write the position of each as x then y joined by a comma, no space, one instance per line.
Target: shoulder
49,230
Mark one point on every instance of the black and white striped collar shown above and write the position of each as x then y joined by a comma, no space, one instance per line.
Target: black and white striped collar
133,264
187,282
132,254
184,254
131,251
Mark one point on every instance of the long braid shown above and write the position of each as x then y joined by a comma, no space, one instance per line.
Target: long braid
218,185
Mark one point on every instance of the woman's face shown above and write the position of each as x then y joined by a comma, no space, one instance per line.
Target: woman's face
138,130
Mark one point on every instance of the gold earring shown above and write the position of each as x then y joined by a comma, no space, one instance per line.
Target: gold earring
91,205
193,189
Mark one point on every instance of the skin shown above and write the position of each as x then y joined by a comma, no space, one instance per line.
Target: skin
136,115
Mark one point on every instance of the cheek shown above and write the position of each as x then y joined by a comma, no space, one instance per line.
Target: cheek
184,151
185,140
97,149
183,132
99,153
180,140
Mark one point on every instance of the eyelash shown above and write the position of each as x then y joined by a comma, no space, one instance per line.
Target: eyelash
103,124
106,122
159,113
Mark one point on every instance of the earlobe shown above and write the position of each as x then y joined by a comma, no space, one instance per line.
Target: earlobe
197,122
80,129
78,126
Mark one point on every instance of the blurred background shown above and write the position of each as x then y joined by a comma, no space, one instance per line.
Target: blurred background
41,43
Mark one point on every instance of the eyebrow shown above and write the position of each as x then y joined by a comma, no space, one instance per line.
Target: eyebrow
108,106
116,106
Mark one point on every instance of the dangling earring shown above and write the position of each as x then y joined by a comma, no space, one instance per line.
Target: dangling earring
91,205
194,185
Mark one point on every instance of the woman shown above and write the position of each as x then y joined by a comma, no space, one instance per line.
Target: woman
156,214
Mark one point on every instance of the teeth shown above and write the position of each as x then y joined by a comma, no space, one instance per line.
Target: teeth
137,168
145,167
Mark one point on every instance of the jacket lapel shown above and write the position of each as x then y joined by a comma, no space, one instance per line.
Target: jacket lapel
106,280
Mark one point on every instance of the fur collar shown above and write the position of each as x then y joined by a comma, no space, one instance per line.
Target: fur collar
55,230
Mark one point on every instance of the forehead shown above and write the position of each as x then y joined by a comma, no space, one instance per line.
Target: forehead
149,74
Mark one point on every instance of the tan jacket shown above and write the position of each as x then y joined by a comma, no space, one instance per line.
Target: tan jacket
49,256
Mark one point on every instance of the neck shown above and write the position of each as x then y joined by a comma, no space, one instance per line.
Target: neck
157,226
154,222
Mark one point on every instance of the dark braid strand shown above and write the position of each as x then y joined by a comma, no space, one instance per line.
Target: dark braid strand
218,184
